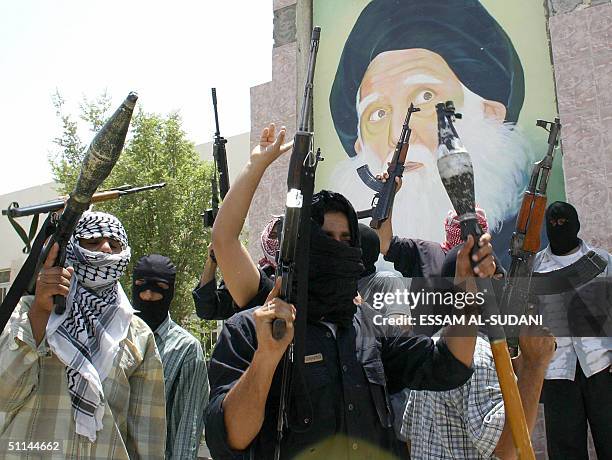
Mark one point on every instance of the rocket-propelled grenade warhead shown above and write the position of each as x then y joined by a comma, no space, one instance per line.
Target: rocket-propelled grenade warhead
456,170
101,156
104,152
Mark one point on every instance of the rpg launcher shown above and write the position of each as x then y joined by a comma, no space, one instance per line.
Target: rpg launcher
99,161
294,252
457,174
220,183
100,158
382,203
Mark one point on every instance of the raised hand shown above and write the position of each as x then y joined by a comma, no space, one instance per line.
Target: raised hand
270,145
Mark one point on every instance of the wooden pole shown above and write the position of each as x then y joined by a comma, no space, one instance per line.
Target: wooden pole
513,405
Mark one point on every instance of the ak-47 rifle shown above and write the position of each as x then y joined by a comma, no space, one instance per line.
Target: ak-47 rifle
293,257
15,211
525,242
220,159
101,156
382,203
457,174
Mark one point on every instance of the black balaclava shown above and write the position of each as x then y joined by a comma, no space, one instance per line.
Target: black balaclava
562,238
370,248
153,269
334,267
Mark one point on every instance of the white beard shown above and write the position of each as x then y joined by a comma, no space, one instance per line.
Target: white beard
500,158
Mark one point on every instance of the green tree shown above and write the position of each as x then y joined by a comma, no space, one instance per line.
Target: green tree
165,221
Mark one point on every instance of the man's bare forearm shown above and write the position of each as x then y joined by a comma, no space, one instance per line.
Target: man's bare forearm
208,274
239,270
461,341
531,379
244,405
385,234
38,323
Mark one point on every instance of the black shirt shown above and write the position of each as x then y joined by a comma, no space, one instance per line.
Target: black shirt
214,302
343,409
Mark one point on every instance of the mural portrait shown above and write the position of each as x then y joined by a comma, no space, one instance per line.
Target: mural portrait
380,56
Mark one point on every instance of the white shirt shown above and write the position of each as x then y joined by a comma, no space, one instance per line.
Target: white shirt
593,353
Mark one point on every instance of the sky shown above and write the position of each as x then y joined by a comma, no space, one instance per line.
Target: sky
170,52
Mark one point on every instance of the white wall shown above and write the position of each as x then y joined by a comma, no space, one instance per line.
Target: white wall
11,255
238,150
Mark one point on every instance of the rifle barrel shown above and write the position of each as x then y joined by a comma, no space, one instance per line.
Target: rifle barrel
59,203
214,99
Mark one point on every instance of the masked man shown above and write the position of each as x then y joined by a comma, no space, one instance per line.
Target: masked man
87,382
579,379
350,365
185,372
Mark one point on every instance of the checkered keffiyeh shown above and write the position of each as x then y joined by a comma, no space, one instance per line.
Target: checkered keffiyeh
269,246
453,228
86,336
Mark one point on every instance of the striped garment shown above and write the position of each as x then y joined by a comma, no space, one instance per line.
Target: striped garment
466,422
594,354
187,389
35,404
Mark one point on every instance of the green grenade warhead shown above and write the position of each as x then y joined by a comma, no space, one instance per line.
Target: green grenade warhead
99,161
103,152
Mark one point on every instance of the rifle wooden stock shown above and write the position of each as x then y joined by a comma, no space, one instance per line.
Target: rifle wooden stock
105,196
522,219
532,236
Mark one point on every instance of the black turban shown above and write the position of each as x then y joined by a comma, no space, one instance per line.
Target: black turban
462,32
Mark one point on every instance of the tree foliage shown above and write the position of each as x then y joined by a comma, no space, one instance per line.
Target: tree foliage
165,221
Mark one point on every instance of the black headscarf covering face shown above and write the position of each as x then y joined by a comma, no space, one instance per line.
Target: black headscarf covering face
153,269
370,248
334,266
462,32
563,238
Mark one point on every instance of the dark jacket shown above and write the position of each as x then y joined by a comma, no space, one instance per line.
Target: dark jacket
415,258
342,411
214,302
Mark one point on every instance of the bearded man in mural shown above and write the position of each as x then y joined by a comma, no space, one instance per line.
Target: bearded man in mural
426,52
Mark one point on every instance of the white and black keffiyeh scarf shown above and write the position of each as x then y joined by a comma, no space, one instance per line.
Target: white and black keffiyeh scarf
86,336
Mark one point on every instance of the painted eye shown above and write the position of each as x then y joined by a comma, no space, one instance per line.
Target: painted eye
378,115
424,97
